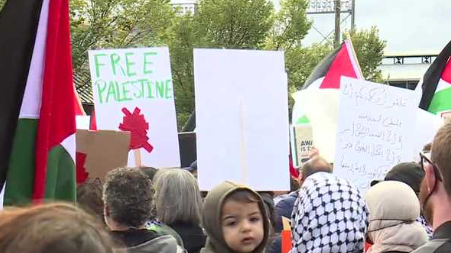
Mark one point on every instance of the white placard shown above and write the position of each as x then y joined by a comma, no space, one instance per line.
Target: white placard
375,132
242,118
427,125
133,91
83,122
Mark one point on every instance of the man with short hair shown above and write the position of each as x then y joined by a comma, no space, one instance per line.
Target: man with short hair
127,197
435,192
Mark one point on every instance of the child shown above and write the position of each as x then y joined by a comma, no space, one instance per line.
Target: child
235,220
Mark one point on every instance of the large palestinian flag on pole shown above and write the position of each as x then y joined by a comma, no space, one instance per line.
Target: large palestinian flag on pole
37,134
327,74
436,85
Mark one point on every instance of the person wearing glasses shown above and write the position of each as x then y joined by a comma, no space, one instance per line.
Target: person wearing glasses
435,192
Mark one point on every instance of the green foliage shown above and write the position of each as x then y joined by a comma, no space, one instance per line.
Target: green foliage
238,24
116,23
369,49
290,27
234,23
2,2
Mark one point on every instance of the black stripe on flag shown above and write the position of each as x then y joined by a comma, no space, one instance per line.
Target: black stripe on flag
432,77
322,68
18,26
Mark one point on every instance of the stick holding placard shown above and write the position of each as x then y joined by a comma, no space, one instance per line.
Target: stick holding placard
137,154
243,143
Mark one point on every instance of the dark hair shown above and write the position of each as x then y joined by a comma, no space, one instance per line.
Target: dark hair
57,228
89,198
441,154
127,194
149,171
315,165
427,148
294,184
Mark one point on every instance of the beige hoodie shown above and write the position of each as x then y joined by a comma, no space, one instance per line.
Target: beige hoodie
394,207
212,218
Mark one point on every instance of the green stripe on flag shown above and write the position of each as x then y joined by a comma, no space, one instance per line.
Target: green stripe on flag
60,181
303,120
441,101
20,177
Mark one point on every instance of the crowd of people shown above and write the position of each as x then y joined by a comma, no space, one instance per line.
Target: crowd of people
145,210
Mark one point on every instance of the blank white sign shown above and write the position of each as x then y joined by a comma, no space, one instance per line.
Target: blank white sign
242,118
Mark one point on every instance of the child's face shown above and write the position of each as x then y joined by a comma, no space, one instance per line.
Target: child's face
242,226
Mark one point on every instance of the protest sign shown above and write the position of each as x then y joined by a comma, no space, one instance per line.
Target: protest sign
427,125
304,142
242,118
376,126
99,152
133,92
83,122
321,108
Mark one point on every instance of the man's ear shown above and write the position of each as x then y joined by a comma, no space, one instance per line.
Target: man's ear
106,210
430,176
301,178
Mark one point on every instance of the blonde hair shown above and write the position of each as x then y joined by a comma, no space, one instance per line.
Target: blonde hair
57,228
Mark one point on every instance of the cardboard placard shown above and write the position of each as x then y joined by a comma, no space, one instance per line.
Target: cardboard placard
102,150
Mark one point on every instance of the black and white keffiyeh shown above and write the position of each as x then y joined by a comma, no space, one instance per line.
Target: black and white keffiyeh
329,216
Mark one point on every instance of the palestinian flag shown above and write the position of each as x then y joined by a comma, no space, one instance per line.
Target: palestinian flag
436,85
327,74
37,134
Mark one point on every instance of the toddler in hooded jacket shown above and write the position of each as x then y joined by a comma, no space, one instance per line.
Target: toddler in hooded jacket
235,220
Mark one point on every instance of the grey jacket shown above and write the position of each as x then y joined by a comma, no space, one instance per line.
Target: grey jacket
161,244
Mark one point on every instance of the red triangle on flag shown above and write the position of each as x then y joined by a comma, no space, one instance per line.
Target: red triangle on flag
343,65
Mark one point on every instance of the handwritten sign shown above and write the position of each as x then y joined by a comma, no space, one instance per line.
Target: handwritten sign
376,125
133,92
304,141
242,118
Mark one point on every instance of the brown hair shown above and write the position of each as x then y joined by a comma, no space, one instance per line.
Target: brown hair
316,164
441,154
57,228
243,196
89,198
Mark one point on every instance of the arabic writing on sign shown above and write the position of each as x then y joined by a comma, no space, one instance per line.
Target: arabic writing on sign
374,130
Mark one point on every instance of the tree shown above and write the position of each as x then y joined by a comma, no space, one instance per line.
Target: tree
237,24
369,49
115,24
291,26
2,2
234,23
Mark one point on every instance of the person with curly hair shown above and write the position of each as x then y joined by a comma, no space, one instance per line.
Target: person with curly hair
127,197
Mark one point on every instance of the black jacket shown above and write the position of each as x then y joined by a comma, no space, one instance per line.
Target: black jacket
192,235
441,241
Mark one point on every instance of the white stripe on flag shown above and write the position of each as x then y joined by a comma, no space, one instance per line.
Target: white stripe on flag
31,104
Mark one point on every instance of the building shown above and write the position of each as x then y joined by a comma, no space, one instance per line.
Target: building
406,69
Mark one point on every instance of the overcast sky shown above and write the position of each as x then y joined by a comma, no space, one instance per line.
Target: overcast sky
406,25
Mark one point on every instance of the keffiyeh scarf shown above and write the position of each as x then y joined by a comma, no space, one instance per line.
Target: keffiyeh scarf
329,216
